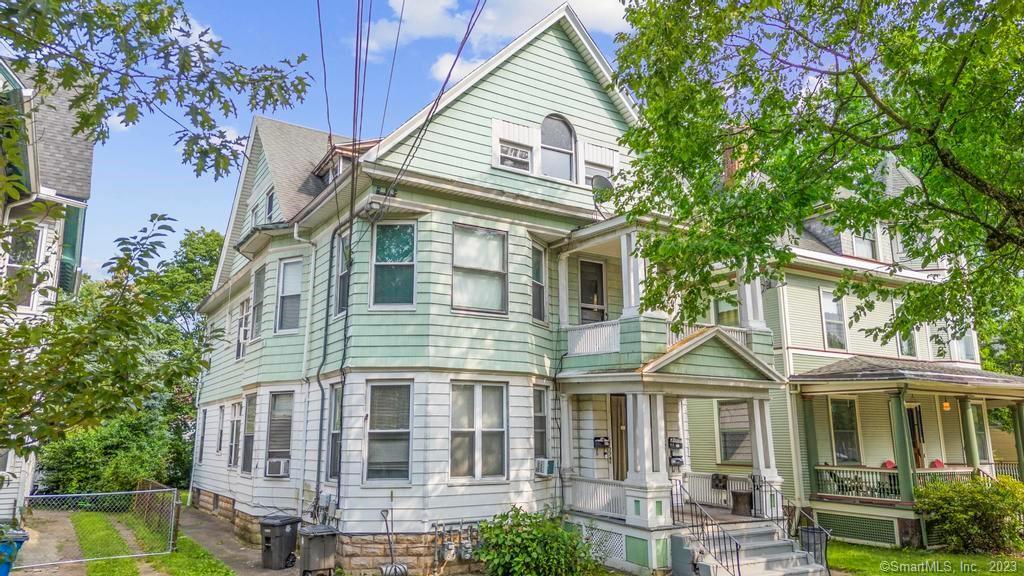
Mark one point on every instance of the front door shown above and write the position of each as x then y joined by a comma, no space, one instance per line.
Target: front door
916,434
618,432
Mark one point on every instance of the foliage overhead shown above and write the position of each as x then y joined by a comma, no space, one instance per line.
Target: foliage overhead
808,100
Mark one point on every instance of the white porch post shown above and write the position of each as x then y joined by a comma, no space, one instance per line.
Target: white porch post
684,435
567,462
633,272
764,462
563,290
751,304
648,491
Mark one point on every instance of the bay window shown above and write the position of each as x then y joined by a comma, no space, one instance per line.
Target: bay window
540,423
234,434
334,456
343,276
479,277
394,264
478,431
539,284
249,433
259,280
388,432
242,335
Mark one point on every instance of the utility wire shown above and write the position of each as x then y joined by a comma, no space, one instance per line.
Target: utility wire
391,74
323,66
366,56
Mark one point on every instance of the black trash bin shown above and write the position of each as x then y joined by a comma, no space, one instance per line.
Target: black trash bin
317,555
280,534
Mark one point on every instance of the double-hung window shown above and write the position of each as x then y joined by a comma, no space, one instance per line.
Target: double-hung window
726,313
516,156
22,259
242,335
342,278
202,436
540,423
254,215
5,459
270,207
592,303
734,431
833,319
557,149
234,434
220,429
259,282
388,432
478,431
334,457
845,436
590,170
981,437
394,264
539,284
966,344
279,427
249,433
479,277
865,245
907,343
289,295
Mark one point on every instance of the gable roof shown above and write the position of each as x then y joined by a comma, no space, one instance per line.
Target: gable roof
573,27
702,337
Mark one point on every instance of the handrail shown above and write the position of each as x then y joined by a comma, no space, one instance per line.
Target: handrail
720,544
774,504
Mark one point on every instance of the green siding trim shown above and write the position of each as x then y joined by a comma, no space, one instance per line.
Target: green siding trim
661,552
858,528
637,551
716,360
71,248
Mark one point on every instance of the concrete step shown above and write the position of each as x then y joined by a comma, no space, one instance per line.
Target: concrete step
775,561
807,570
758,549
754,533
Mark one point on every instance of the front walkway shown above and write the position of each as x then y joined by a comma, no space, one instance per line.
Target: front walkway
218,537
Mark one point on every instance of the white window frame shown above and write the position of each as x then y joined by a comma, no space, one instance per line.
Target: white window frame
337,394
243,327
543,284
604,288
41,233
842,313
256,324
281,264
899,340
718,432
271,202
463,309
255,399
545,412
987,457
876,243
235,435
373,266
974,347
367,432
574,154
254,216
340,270
525,147
478,431
597,165
860,429
220,428
291,430
202,436
8,463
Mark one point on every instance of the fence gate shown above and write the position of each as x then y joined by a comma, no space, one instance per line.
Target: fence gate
66,528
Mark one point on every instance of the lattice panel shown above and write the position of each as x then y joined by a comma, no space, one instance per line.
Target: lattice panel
877,530
606,544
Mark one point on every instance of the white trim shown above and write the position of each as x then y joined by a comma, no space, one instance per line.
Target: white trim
383,482
504,311
228,236
988,458
371,306
478,430
718,434
832,429
572,26
338,241
277,297
545,284
579,289
707,334
574,153
842,315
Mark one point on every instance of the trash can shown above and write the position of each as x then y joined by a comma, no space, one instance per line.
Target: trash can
316,555
814,541
742,502
10,543
280,534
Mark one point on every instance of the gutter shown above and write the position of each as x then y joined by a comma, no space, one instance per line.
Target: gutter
305,362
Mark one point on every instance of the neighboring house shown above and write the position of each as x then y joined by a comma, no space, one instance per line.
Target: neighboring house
471,340
59,172
869,422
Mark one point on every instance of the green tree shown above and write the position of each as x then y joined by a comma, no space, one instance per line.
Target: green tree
812,98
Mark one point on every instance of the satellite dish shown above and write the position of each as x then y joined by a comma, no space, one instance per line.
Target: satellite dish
601,184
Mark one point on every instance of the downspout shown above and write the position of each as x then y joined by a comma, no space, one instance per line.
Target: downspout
348,313
305,362
27,200
323,359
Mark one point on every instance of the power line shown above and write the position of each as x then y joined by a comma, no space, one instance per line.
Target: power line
391,73
323,66
366,56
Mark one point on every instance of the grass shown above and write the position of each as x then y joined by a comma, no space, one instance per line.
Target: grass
190,559
869,560
98,537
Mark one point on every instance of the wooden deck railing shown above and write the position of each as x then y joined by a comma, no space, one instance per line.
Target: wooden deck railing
700,489
596,338
598,497
739,335
857,482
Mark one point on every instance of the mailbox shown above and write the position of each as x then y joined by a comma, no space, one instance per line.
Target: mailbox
602,442
719,481
675,443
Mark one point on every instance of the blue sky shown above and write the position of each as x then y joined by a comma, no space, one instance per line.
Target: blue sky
139,171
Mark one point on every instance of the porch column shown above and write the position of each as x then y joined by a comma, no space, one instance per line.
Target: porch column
563,289
967,430
901,446
565,435
764,450
648,491
1018,436
751,304
811,438
633,272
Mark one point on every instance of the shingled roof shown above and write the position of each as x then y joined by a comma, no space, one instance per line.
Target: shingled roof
871,368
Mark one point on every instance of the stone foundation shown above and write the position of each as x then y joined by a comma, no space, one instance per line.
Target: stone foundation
247,526
362,555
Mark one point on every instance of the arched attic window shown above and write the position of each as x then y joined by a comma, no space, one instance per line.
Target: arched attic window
557,149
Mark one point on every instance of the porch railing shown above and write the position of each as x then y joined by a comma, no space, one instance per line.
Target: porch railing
716,540
701,488
771,504
598,497
1008,469
951,475
739,335
858,482
596,338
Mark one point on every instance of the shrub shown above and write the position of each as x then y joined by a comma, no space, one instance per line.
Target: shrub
979,516
519,543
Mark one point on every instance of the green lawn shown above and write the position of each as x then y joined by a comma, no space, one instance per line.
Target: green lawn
868,560
98,537
190,559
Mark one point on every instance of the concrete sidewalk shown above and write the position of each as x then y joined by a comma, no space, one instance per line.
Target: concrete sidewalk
218,537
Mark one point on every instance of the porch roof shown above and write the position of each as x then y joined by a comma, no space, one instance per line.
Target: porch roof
876,370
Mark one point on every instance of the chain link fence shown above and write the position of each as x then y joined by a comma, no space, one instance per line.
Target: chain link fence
67,528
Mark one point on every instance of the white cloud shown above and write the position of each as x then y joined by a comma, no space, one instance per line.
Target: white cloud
444,63
116,123
93,267
191,31
501,21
